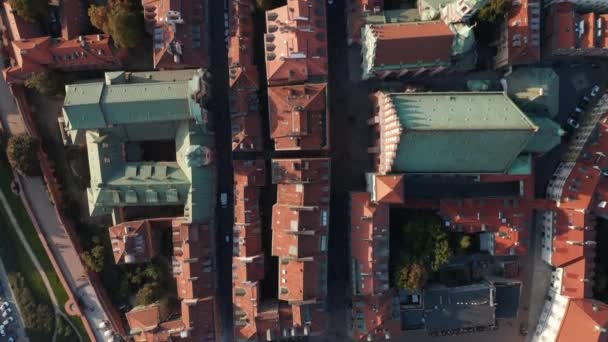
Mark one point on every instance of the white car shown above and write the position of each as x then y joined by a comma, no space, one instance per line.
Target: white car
573,123
5,306
103,325
6,312
595,90
8,321
2,331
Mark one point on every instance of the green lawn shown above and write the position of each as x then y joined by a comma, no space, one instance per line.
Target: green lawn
16,258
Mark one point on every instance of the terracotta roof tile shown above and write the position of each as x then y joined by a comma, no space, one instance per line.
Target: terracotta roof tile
296,42
410,43
178,32
298,116
584,321
369,237
390,188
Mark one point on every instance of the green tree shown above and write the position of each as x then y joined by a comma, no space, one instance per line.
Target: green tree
46,83
442,252
120,20
29,10
465,242
22,154
37,316
99,17
494,11
412,276
65,331
148,294
94,259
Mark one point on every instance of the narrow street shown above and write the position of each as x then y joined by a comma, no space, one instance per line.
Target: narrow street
349,110
224,216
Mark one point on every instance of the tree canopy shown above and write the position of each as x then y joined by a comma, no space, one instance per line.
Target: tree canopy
22,153
94,259
148,294
121,20
412,276
29,10
419,244
494,11
46,83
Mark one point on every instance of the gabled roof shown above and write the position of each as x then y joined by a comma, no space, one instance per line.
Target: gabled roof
298,116
296,42
585,320
413,43
144,318
178,32
450,132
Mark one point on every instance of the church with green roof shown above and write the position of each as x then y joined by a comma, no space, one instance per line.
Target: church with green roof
456,133
148,141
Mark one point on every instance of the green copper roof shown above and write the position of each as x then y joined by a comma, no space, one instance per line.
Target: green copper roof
392,16
120,101
132,107
459,132
548,136
535,90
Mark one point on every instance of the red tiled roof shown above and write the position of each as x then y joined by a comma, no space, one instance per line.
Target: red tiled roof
296,42
411,43
38,54
577,279
300,280
390,188
250,172
298,116
136,241
355,16
178,32
246,297
303,170
144,318
509,220
19,27
559,28
585,319
73,18
523,32
193,269
369,237
377,314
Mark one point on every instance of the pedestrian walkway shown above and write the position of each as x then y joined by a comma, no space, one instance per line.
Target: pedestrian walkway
69,261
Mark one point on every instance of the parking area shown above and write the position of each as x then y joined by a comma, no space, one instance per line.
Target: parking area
11,324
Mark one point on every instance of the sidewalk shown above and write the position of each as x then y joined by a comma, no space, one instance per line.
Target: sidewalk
61,245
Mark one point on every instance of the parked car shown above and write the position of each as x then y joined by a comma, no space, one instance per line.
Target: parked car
578,110
224,199
595,90
572,122
11,339
2,331
103,325
6,312
5,306
605,173
8,321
